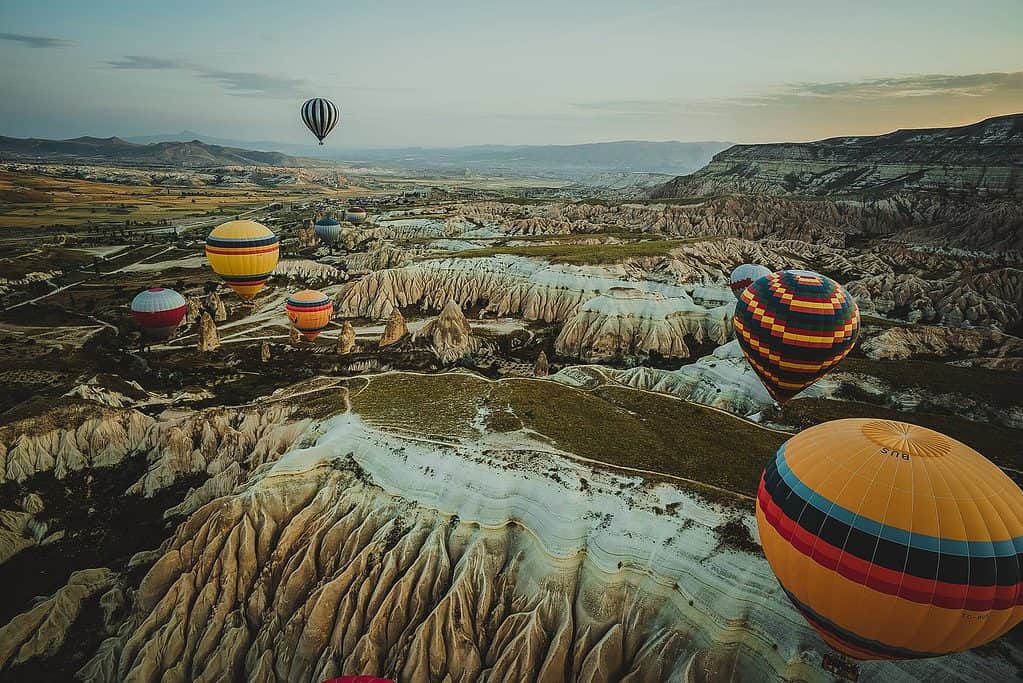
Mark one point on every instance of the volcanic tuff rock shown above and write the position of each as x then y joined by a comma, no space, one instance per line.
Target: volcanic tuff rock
983,347
993,298
264,351
508,285
70,437
984,158
294,338
41,631
395,329
541,367
630,322
215,306
449,334
371,553
208,338
346,339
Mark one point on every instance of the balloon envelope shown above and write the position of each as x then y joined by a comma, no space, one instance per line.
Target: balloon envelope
320,116
244,254
328,230
893,540
355,215
745,275
794,326
158,311
309,311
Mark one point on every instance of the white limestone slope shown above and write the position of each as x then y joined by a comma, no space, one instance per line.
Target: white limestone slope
636,323
508,285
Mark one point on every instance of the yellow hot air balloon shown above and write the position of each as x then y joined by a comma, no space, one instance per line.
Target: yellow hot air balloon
309,311
893,540
244,253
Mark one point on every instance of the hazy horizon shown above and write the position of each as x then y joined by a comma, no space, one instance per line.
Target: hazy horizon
537,73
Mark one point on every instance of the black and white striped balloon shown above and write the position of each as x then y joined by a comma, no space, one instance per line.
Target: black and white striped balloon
320,116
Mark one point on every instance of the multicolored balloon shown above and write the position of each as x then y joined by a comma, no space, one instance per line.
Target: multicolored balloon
158,312
794,326
355,215
309,311
893,540
244,254
328,230
320,116
745,275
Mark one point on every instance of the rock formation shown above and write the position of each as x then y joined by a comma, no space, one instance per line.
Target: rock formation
214,305
294,338
395,329
632,323
978,347
484,567
509,285
193,309
41,631
541,368
307,233
72,436
264,352
346,339
449,334
208,338
980,159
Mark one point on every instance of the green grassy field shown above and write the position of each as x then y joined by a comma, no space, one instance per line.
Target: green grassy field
990,386
617,426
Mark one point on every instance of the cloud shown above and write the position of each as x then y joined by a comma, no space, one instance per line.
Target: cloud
138,62
35,41
239,83
878,89
862,91
256,84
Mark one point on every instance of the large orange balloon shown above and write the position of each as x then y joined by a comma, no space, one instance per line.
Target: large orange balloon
794,326
893,540
309,311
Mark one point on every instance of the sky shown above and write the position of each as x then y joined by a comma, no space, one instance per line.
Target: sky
446,73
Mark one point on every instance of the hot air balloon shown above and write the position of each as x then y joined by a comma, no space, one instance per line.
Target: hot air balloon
893,540
794,326
743,276
320,116
328,230
244,253
309,311
355,215
158,312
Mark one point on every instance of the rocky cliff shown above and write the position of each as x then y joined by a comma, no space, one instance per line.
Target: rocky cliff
984,158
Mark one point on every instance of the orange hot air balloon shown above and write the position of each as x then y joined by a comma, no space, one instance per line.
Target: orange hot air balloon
309,311
244,253
893,540
794,326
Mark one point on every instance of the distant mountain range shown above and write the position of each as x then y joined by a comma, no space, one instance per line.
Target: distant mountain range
191,154
191,149
983,158
573,161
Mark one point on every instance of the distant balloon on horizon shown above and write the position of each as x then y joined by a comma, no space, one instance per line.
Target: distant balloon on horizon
320,115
